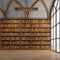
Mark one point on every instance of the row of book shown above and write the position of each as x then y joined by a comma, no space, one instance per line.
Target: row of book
24,30
10,21
26,21
35,21
26,25
11,30
35,30
25,47
25,42
25,34
24,38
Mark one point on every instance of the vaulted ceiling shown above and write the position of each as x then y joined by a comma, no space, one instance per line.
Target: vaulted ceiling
7,8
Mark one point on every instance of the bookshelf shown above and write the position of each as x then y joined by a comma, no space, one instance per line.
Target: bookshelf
24,34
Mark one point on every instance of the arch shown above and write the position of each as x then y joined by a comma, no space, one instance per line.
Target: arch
10,2
8,6
43,2
3,12
46,8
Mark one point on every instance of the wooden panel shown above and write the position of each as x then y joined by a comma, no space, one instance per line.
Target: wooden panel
25,34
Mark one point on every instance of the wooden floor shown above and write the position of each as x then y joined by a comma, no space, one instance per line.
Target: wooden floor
29,55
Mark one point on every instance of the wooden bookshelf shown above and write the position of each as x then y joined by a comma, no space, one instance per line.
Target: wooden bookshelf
25,34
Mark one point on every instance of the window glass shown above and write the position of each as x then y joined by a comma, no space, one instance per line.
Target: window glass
52,44
55,3
51,33
58,16
57,45
57,30
52,22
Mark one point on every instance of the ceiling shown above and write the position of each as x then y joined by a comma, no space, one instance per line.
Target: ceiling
7,8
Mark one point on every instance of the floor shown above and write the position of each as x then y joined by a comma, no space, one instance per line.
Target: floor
29,55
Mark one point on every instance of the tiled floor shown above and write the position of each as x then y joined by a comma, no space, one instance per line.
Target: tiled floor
28,55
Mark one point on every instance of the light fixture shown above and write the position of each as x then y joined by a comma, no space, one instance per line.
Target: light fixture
19,15
26,15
